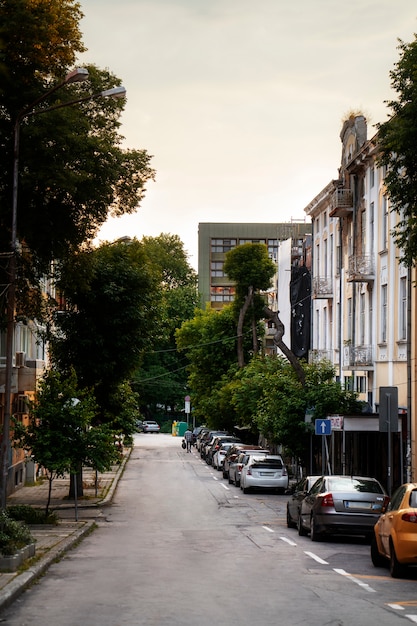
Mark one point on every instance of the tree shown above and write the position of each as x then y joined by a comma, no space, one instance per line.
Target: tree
112,297
161,379
250,267
209,341
397,143
73,171
59,435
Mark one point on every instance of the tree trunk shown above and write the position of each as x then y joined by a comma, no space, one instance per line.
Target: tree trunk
79,478
242,313
280,330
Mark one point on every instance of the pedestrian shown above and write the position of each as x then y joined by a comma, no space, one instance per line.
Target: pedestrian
188,436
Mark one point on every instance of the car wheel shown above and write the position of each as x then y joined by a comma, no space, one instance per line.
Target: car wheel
225,474
376,558
246,489
290,521
301,530
397,570
314,534
237,483
230,480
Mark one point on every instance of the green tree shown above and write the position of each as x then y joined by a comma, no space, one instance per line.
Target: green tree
397,143
209,341
161,379
73,170
112,296
250,267
59,435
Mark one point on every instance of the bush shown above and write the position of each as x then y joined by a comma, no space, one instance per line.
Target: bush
29,515
14,535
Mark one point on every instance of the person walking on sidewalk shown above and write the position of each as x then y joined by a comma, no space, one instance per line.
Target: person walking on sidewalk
188,436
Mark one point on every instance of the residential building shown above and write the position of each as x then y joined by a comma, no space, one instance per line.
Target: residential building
361,307
285,242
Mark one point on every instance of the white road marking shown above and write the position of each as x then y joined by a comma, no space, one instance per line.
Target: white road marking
268,529
355,580
397,607
289,541
315,557
225,486
412,618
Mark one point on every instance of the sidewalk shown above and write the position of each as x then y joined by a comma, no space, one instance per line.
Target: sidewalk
75,523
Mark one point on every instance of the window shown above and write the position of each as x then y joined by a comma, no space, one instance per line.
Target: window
349,320
384,223
372,177
363,232
371,228
222,294
222,245
384,312
402,334
217,269
361,384
362,319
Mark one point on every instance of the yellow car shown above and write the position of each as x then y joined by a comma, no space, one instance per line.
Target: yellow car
395,533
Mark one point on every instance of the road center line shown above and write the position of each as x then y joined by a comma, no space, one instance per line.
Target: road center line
315,557
289,541
355,580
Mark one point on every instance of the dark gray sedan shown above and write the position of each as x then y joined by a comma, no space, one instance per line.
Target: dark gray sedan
345,505
298,493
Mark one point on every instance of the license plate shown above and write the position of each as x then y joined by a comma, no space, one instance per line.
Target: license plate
265,474
365,506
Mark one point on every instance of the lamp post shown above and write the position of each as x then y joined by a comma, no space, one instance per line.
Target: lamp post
77,75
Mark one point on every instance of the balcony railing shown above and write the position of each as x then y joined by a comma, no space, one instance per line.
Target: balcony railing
361,268
341,203
322,287
316,355
358,357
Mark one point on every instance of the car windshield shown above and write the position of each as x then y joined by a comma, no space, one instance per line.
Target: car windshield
362,485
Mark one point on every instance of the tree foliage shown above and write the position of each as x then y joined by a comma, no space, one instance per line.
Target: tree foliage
397,142
209,341
73,172
161,380
112,297
60,435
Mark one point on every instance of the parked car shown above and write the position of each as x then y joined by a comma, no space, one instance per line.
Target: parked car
268,472
347,505
298,493
150,426
395,533
234,452
139,426
218,456
236,466
200,436
208,439
215,443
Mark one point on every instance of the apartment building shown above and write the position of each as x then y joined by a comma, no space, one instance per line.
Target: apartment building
361,308
286,244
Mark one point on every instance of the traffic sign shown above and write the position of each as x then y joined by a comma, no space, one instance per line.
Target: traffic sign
323,427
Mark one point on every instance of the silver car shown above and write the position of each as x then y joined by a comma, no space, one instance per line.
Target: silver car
346,505
298,493
150,426
268,472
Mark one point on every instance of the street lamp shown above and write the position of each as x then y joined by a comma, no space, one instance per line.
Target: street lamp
76,75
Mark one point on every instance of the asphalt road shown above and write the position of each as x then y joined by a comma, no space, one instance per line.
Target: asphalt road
182,547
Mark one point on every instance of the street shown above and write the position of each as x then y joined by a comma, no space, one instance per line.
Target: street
180,547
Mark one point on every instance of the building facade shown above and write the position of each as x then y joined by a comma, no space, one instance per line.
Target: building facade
361,305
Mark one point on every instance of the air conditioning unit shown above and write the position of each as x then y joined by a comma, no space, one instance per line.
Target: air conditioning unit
20,359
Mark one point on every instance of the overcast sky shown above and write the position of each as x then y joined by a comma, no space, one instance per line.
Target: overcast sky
241,103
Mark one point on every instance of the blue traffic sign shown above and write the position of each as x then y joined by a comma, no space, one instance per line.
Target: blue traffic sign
323,427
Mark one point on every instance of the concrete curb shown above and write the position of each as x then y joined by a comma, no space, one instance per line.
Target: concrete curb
22,581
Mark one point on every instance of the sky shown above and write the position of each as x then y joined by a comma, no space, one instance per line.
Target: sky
241,103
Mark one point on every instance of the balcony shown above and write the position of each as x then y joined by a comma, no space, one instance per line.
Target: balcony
361,269
322,287
315,356
341,203
358,357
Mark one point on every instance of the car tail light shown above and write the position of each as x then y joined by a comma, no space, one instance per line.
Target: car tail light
409,517
239,467
327,500
249,472
284,471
